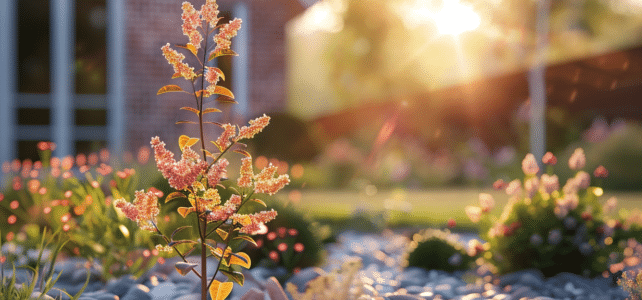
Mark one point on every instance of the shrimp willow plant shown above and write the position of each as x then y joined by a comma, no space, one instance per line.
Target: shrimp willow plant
198,177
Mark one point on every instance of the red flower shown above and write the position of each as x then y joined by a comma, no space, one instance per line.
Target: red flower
549,159
601,172
451,223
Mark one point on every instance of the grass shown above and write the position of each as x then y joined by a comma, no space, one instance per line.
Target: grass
424,208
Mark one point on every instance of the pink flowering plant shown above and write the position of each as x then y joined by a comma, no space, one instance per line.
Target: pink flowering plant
198,175
72,196
551,227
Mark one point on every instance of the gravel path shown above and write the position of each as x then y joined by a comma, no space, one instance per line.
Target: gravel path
381,277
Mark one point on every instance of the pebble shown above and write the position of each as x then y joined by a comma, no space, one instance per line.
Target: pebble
381,277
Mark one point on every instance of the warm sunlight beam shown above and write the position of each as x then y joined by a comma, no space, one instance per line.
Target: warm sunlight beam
451,18
455,18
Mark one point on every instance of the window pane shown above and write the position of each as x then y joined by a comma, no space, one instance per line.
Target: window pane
88,147
33,46
28,149
33,116
91,117
90,49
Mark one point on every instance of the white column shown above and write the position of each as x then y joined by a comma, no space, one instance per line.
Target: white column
8,73
62,74
537,84
241,63
116,22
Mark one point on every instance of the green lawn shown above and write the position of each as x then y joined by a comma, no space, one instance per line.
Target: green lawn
423,207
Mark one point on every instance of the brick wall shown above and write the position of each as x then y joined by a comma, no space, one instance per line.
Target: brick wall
152,24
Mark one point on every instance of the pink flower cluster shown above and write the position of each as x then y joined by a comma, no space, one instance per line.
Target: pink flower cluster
227,32
175,59
191,22
252,223
209,12
179,174
143,211
264,182
256,126
224,212
217,172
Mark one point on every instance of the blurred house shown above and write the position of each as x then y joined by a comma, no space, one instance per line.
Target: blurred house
84,74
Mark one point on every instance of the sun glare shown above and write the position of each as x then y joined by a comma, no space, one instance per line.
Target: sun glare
455,18
451,17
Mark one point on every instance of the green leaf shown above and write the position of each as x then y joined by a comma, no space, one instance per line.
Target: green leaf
174,195
247,238
234,276
215,54
169,88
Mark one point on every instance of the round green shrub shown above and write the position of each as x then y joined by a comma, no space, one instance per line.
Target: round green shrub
434,249
553,227
292,240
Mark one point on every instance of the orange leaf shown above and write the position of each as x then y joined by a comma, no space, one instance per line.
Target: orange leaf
247,238
217,146
259,201
223,52
219,72
169,88
174,195
240,259
220,290
194,110
226,100
184,211
186,122
183,268
211,110
186,141
247,154
220,90
222,233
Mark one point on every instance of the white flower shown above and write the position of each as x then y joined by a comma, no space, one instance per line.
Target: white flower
514,188
550,183
583,179
577,160
529,165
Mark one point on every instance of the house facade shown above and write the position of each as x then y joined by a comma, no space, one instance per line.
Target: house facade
84,74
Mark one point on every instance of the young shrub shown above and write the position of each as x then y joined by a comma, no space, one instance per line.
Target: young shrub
220,223
434,249
551,227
